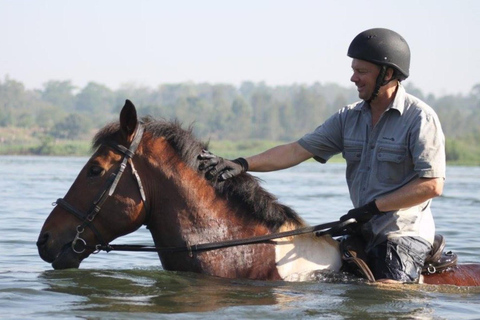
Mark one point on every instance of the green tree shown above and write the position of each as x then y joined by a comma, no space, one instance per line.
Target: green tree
286,119
47,116
73,126
221,98
97,101
260,101
59,94
239,120
13,102
310,109
141,96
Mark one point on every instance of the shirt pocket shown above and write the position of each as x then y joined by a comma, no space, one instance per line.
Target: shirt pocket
352,155
391,164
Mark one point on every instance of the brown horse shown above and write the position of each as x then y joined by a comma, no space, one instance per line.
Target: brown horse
155,182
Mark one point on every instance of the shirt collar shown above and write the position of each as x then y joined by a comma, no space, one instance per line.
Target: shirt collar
398,103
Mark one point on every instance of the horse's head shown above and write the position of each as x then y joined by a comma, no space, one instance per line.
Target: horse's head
105,201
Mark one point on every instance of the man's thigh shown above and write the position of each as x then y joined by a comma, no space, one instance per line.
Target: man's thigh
399,259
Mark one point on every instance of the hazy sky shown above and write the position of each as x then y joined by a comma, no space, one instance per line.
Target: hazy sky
280,42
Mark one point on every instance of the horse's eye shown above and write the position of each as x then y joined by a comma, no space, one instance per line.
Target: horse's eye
95,171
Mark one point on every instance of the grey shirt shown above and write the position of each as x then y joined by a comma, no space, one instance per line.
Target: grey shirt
406,143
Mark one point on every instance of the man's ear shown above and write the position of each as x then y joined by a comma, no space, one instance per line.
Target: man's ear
389,75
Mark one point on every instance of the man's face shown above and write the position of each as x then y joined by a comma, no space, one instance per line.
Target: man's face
364,76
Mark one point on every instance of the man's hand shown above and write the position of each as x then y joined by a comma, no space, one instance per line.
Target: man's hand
219,167
362,214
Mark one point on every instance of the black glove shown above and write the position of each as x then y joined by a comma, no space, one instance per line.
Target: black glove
363,213
219,167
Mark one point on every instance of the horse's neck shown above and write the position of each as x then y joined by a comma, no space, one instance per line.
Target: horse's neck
188,210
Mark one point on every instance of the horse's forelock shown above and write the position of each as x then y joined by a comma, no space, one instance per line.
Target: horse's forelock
105,134
242,191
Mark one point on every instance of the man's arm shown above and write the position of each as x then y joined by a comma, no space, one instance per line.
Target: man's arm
412,194
279,157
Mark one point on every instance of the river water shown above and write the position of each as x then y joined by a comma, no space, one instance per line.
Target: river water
126,285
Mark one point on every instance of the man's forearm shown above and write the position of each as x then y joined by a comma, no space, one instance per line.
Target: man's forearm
279,157
412,194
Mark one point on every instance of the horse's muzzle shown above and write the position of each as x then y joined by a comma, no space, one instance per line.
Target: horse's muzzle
63,258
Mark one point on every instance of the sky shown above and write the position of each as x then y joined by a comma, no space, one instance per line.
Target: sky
150,43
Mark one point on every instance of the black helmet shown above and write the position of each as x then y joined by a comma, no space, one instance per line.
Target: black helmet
383,47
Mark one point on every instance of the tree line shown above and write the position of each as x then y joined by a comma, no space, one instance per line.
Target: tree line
62,111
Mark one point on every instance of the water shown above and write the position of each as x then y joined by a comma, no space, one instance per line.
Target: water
126,285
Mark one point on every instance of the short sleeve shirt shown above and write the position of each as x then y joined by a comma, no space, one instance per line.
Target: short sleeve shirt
406,143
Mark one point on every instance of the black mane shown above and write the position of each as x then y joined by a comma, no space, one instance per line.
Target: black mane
243,191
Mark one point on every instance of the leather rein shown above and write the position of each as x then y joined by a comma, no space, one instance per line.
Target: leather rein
335,228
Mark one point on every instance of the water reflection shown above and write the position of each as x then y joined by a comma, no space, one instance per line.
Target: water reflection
158,291
155,291
385,301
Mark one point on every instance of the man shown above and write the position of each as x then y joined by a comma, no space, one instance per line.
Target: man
395,152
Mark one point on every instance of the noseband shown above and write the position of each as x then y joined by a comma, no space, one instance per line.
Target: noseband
111,185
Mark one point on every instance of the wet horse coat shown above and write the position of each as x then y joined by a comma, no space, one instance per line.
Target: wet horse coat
181,208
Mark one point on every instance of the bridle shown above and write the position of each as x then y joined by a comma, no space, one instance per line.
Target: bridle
110,186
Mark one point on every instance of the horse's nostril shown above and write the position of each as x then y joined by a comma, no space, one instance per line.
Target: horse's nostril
42,240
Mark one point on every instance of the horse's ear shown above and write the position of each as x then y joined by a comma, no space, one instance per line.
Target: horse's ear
128,120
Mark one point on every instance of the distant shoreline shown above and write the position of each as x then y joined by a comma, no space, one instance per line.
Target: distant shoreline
466,156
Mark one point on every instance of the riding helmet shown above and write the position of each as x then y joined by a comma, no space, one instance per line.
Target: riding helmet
382,47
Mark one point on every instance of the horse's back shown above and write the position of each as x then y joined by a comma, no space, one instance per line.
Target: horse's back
460,275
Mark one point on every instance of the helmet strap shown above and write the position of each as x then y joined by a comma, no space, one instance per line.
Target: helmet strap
379,82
